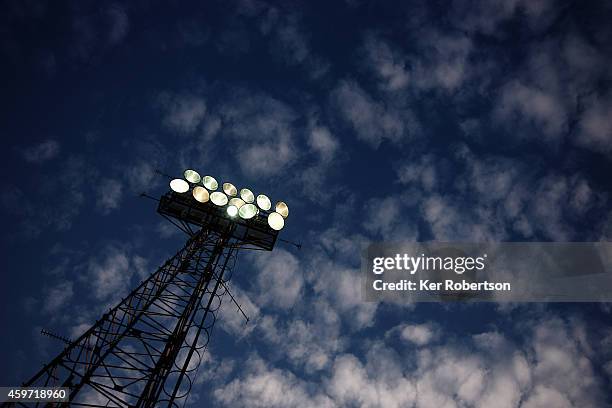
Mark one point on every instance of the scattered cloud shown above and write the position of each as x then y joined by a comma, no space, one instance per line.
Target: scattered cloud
418,334
119,23
183,113
389,65
42,152
279,279
109,273
109,193
370,120
263,386
263,129
57,296
595,128
495,371
321,140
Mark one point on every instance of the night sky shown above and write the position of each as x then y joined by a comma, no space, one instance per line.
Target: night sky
376,122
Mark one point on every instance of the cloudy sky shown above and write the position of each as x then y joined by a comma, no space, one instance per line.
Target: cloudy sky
465,121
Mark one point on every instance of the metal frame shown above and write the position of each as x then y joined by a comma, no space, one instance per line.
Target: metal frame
144,351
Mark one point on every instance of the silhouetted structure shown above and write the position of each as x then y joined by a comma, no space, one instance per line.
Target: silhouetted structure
145,351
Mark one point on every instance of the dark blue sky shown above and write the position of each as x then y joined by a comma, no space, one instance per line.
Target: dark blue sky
470,121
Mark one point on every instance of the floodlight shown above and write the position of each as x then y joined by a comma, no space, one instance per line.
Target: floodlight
237,202
179,185
276,221
232,210
247,211
210,183
192,176
282,209
264,202
200,194
247,195
218,198
230,189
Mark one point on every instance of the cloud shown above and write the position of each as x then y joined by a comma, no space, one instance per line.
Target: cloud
389,65
232,320
532,105
262,129
486,198
443,63
418,334
119,23
183,113
141,176
109,193
279,281
423,173
263,386
486,16
42,152
57,297
308,342
109,273
369,119
595,128
321,140
340,286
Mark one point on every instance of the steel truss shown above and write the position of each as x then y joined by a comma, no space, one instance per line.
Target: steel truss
145,351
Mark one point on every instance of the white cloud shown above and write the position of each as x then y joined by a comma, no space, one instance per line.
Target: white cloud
119,23
279,279
57,297
183,113
323,142
595,128
519,103
232,320
263,386
109,193
141,177
390,67
42,152
109,273
418,334
423,173
444,62
351,384
486,16
369,119
341,287
543,397
262,130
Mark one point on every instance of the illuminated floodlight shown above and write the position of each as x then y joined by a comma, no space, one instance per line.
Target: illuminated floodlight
179,185
232,210
218,198
210,183
200,194
247,211
236,202
264,202
192,176
247,195
276,221
230,189
282,209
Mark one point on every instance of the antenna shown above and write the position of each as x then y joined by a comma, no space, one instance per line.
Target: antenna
63,339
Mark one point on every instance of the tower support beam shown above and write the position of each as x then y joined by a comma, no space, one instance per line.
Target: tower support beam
141,352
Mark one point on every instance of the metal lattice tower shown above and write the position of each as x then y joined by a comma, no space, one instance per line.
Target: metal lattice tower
145,351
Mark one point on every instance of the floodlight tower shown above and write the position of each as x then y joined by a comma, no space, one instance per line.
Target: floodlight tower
145,351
